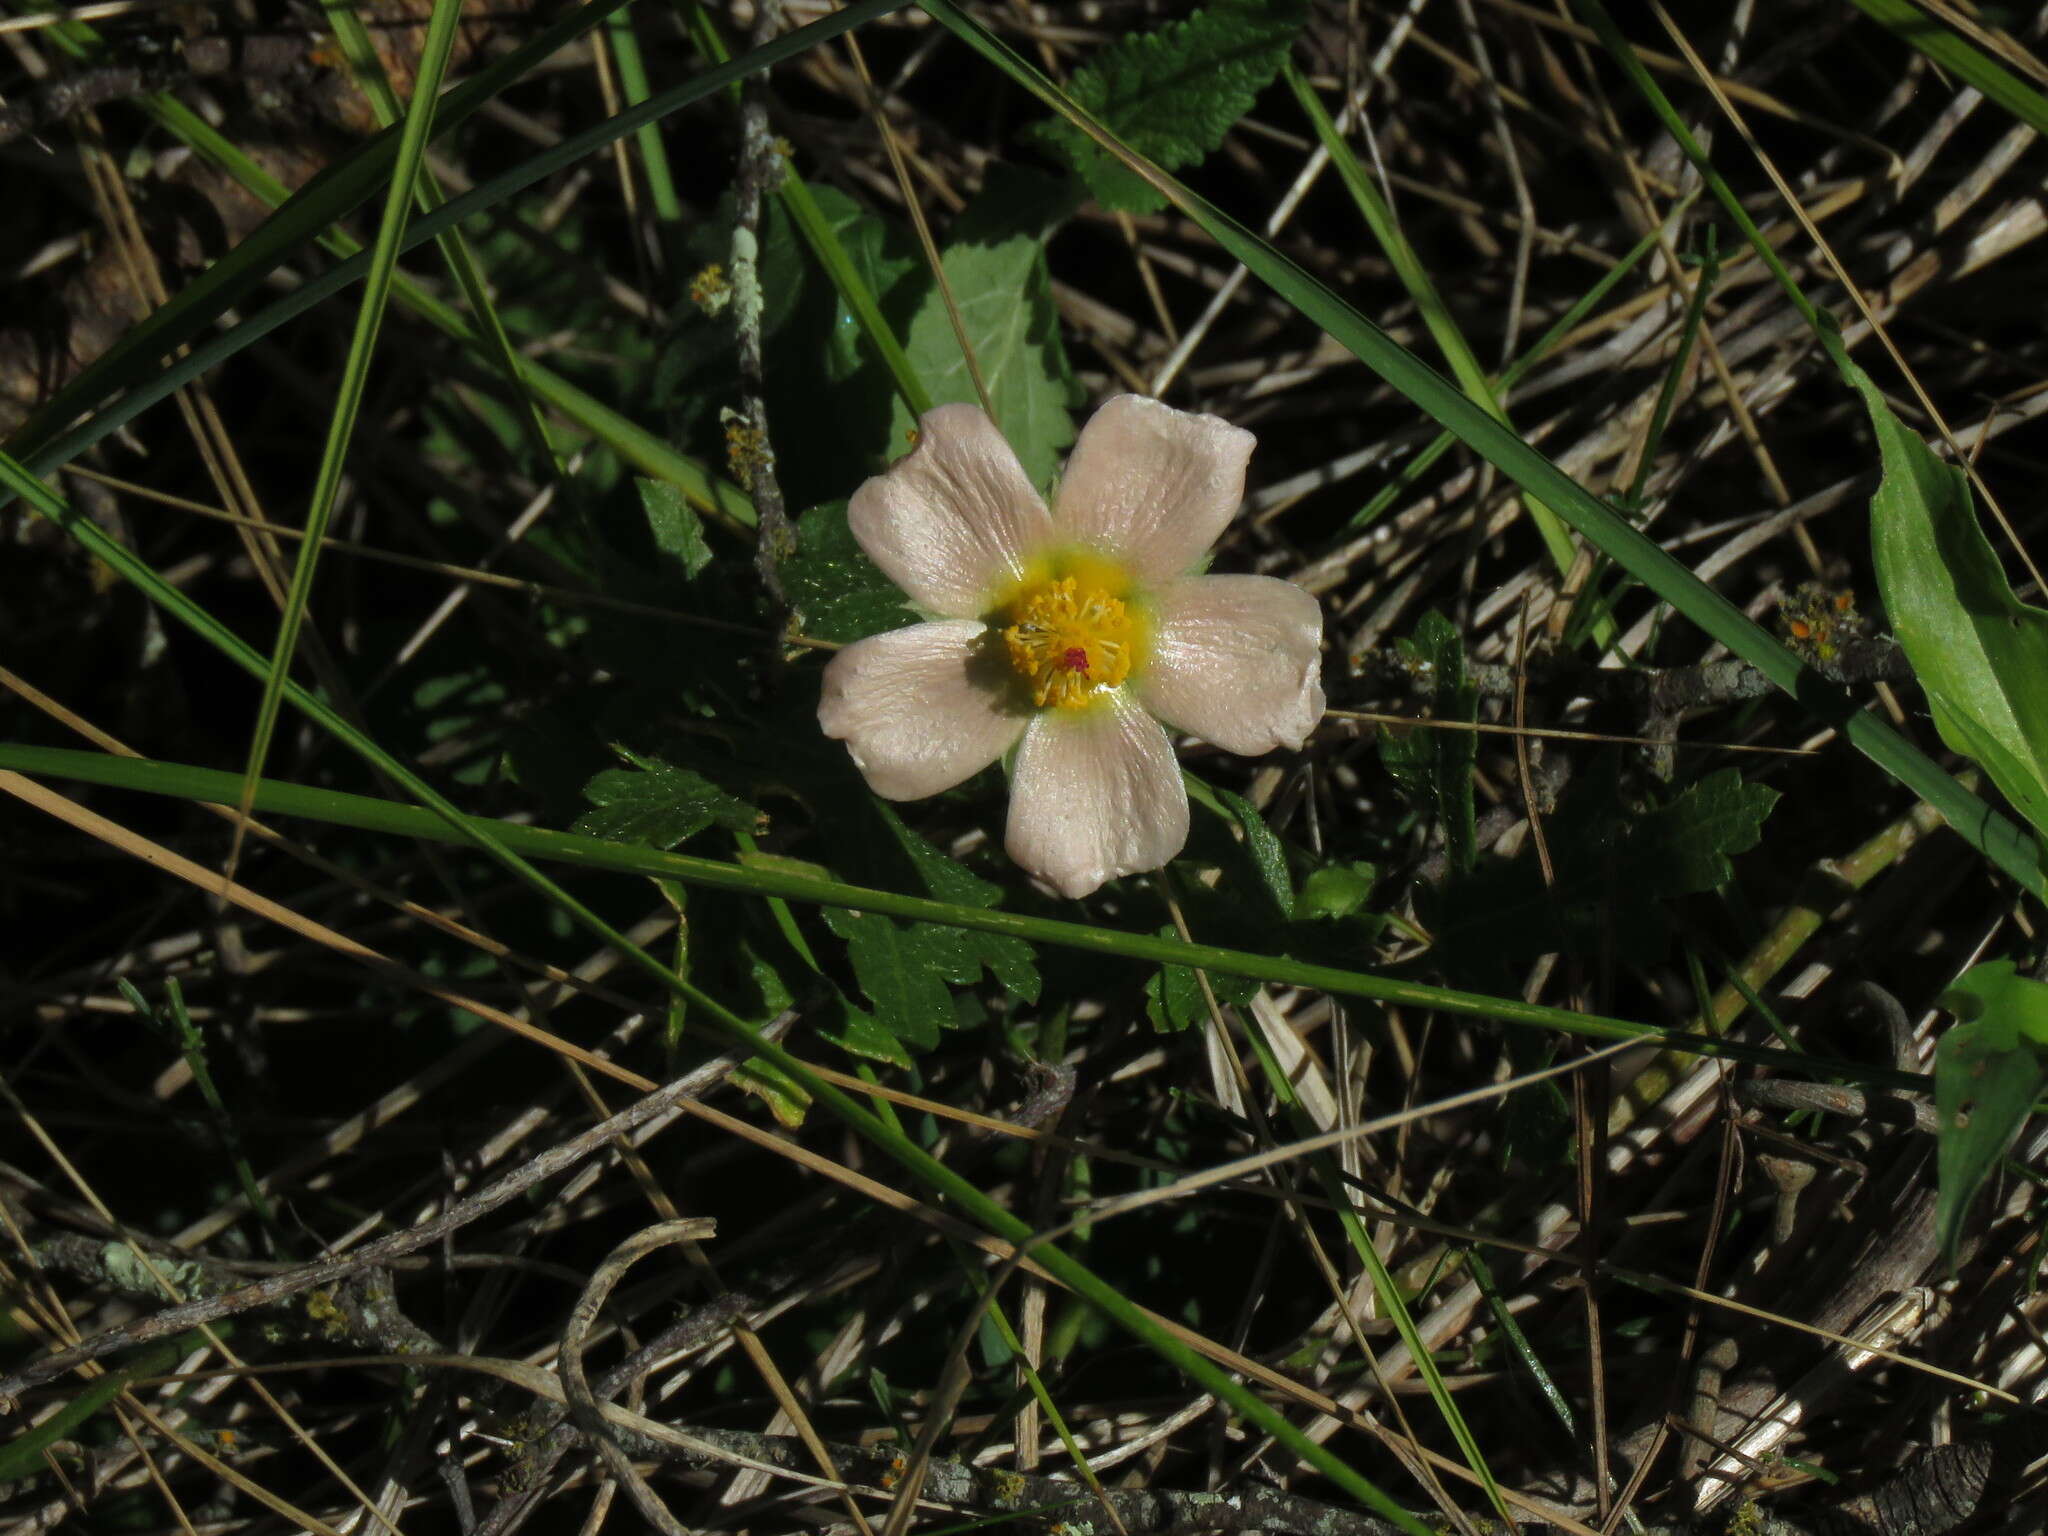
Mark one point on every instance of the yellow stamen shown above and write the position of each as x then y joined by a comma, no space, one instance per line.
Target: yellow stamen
1070,639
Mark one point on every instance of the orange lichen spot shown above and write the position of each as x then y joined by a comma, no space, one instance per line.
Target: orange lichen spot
747,454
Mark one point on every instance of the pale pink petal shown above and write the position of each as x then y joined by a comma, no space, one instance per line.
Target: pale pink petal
922,708
1152,486
1095,794
952,522
1237,661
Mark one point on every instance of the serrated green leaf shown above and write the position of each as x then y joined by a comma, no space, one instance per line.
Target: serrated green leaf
1005,300
859,1034
1172,94
1432,766
840,592
1988,1072
1981,653
1612,866
1685,846
1009,960
894,964
677,529
659,804
908,970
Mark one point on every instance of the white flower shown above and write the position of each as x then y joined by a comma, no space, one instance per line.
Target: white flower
1071,633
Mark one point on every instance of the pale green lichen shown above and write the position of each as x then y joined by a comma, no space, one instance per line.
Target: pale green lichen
746,279
126,1269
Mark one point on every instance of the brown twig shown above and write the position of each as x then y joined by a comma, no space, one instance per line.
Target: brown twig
263,1293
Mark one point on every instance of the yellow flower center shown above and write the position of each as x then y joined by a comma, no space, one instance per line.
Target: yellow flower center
1071,635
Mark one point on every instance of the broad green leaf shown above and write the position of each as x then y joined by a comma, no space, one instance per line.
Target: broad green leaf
677,529
1988,1071
841,593
1433,766
1335,890
2028,794
1006,308
1981,653
1173,93
659,804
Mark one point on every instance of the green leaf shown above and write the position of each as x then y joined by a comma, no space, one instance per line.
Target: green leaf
859,1034
1005,300
659,804
1433,766
895,964
1685,846
778,877
1173,994
1988,1071
1611,864
1981,653
786,1098
866,258
840,592
677,529
1268,857
1172,94
908,970
1335,890
2017,853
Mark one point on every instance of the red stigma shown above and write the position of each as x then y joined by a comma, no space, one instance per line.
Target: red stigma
1075,660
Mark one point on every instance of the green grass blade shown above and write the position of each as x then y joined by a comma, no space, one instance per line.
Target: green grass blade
1961,58
328,197
49,439
1674,376
1997,838
461,262
1330,1174
1565,323
831,255
1414,276
661,187
355,375
914,1160
773,879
